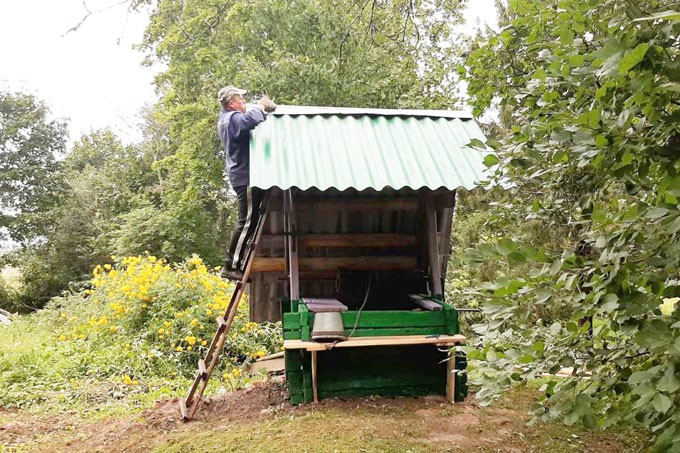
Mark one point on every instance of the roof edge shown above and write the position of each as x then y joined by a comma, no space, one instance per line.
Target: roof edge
307,110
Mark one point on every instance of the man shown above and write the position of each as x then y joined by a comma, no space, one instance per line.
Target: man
233,127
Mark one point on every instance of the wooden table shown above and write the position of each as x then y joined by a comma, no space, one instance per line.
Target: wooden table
403,340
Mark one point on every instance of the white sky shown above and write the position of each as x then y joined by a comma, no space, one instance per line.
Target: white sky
92,76
86,75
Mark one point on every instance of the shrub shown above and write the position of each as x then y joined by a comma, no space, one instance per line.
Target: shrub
139,328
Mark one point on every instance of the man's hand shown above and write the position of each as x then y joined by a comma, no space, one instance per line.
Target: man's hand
267,104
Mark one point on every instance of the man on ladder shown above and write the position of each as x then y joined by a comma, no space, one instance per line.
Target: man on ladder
233,127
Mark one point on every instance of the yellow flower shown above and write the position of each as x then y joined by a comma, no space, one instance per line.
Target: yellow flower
204,343
161,331
62,337
179,349
236,372
107,267
127,380
113,328
189,348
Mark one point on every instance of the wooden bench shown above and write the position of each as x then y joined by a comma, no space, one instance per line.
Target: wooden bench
403,340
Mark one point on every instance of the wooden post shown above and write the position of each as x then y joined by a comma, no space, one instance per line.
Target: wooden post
314,382
451,373
292,250
432,248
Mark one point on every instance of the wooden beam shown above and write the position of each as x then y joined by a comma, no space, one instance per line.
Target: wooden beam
358,342
343,240
358,204
432,248
425,303
451,377
265,264
357,240
292,250
314,378
445,223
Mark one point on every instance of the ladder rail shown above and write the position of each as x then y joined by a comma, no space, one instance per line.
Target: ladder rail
189,406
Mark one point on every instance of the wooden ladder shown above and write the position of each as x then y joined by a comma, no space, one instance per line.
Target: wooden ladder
206,366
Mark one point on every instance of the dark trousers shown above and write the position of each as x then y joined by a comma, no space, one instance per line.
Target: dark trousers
249,200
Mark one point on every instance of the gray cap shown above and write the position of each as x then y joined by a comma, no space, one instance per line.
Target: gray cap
226,93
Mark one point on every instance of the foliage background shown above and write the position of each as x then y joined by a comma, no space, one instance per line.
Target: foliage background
590,92
572,255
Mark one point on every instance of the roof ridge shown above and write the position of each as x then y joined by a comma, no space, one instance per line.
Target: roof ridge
308,110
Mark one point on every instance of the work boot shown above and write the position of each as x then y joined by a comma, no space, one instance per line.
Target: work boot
231,274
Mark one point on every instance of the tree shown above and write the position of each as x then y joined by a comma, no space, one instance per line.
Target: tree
593,89
30,145
351,53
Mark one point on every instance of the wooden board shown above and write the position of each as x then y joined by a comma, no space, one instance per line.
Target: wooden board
402,340
380,332
262,264
345,240
358,204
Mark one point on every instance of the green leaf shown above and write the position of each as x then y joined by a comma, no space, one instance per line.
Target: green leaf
662,402
610,302
490,160
567,35
669,382
656,213
526,359
638,377
601,141
576,60
599,216
671,15
476,143
632,58
674,226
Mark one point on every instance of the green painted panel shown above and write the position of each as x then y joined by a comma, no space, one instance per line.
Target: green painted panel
292,335
393,318
413,390
438,330
356,381
297,398
291,321
306,333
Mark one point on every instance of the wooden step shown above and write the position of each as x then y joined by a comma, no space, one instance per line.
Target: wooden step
202,370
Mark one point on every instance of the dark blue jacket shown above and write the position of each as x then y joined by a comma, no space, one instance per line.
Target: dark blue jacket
234,130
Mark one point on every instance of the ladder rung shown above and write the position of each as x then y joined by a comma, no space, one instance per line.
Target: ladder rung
203,371
221,322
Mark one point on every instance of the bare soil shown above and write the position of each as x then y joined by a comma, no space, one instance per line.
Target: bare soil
421,424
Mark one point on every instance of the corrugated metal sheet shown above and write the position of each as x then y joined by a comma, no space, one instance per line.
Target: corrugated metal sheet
325,148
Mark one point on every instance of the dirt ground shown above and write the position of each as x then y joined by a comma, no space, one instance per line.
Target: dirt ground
261,419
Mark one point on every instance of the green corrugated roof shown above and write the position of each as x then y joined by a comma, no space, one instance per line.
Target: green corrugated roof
339,148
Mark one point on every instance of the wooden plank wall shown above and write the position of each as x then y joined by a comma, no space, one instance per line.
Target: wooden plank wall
366,230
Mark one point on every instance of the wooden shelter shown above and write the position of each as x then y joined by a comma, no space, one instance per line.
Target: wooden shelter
360,213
